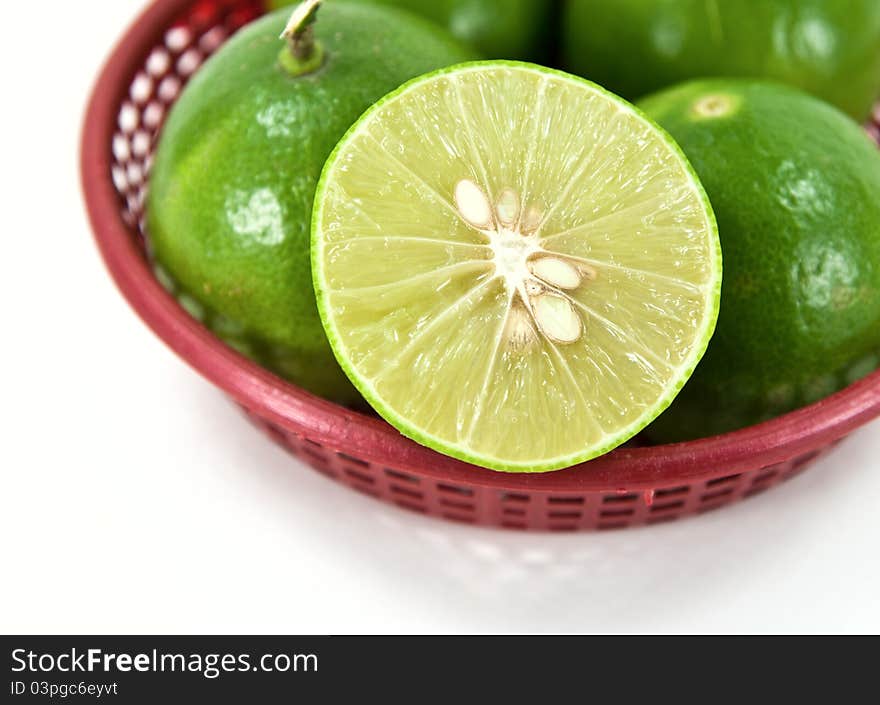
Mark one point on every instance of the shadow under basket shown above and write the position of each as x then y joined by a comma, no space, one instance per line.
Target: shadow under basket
628,487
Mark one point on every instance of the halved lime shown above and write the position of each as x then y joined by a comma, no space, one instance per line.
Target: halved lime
514,267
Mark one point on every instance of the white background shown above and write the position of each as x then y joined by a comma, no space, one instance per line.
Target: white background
136,499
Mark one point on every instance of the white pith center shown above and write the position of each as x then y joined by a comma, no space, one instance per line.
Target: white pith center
511,252
536,280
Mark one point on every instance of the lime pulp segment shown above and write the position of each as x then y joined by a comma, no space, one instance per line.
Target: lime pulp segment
515,267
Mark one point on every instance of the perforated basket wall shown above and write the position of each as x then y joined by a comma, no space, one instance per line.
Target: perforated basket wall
631,486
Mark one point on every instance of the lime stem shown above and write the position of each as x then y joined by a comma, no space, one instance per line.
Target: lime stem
303,53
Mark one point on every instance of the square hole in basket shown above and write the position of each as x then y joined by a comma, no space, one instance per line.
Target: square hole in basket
610,525
457,504
401,491
671,492
360,476
454,489
513,511
401,476
353,460
314,457
764,478
565,500
211,40
612,513
410,506
623,498
718,494
718,481
514,497
656,508
572,514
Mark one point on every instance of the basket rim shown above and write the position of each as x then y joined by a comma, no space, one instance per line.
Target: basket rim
626,469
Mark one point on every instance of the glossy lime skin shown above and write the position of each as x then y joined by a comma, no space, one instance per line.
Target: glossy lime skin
231,189
795,185
498,29
830,48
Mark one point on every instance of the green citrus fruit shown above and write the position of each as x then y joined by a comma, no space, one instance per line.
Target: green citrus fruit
794,184
830,48
232,186
498,29
521,308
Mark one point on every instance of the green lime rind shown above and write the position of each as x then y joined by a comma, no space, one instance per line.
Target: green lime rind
637,47
794,184
233,181
497,29
702,337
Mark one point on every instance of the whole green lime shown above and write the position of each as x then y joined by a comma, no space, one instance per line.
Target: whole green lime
235,174
498,29
794,184
829,48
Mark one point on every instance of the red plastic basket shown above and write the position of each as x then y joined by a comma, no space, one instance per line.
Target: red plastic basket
628,487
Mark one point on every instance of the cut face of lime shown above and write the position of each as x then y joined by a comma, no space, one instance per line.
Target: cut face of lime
515,267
